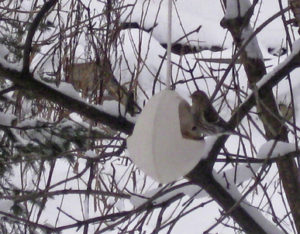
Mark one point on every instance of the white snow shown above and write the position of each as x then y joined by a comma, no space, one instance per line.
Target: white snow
5,64
110,107
120,205
269,75
90,154
3,51
186,18
252,211
209,143
270,149
137,201
192,191
241,173
116,109
5,206
273,149
69,90
6,119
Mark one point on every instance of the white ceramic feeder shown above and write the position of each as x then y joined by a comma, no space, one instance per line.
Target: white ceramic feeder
157,146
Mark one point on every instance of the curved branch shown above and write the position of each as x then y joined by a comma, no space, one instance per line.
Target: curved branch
31,31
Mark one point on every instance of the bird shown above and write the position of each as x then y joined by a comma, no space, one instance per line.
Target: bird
205,117
189,129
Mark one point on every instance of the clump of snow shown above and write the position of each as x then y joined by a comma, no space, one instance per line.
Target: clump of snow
90,154
209,143
5,206
252,211
137,201
193,191
6,61
130,57
114,108
241,173
270,149
269,75
120,205
275,149
3,51
236,8
186,18
110,107
69,90
76,118
6,119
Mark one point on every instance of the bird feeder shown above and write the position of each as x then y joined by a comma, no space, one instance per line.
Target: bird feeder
157,146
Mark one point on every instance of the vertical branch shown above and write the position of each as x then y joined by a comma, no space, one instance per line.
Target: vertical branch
87,196
295,5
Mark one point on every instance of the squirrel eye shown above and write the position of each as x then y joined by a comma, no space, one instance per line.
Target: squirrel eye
194,128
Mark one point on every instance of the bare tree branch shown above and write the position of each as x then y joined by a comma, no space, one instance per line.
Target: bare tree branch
31,31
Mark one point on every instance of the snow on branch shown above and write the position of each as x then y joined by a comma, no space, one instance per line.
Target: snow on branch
290,63
268,153
267,82
158,195
65,97
265,224
41,139
273,149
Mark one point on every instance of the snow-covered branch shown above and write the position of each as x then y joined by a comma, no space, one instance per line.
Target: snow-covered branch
36,88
